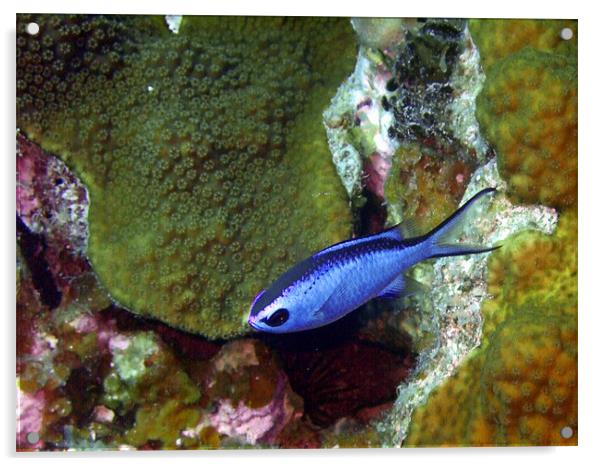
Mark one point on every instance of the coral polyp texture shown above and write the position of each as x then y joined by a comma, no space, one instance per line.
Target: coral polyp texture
498,38
207,168
426,187
528,111
169,168
520,386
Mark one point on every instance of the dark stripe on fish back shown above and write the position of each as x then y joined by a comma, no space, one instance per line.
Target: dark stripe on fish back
320,264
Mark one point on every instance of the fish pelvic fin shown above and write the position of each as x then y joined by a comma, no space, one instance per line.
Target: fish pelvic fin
440,239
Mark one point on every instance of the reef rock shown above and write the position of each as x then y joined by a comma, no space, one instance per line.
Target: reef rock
252,398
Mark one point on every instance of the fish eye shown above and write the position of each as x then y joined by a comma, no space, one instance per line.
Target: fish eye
279,317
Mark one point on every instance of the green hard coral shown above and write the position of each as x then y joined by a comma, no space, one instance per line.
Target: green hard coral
147,383
528,110
203,152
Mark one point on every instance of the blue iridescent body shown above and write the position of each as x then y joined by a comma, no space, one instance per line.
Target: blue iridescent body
336,280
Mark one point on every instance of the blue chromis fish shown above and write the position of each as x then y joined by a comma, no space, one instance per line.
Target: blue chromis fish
337,280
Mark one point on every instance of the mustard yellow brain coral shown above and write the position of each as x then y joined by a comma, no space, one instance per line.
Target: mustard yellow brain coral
530,388
498,38
519,387
203,152
536,265
528,111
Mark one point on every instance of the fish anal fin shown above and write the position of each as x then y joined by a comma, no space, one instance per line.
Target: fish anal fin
414,287
401,287
393,290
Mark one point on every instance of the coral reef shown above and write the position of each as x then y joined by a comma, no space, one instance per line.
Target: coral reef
520,386
452,309
435,79
93,376
52,207
425,187
205,170
528,110
252,397
386,34
406,116
199,147
498,38
147,378
537,266
95,379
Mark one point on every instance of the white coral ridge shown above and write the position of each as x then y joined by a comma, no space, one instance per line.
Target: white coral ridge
359,99
173,22
459,287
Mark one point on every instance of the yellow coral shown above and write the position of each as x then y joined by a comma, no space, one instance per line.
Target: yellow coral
498,38
162,422
535,265
530,389
528,110
425,187
448,413
520,386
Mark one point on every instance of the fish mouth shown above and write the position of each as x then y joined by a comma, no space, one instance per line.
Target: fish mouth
253,324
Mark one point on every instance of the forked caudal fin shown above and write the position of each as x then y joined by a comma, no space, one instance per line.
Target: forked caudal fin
440,237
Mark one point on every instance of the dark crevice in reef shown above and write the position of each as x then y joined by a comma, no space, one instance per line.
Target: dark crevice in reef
33,247
372,215
342,380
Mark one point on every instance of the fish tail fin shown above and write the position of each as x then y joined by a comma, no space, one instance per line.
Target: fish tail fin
440,239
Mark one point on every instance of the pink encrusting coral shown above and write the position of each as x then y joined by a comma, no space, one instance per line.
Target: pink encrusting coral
50,198
261,424
52,202
30,416
374,119
376,170
252,400
362,153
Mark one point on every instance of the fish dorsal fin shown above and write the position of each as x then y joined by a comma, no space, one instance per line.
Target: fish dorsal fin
394,233
408,228
404,230
394,289
343,245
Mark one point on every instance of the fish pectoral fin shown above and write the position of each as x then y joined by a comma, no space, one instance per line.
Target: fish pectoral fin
334,301
401,287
